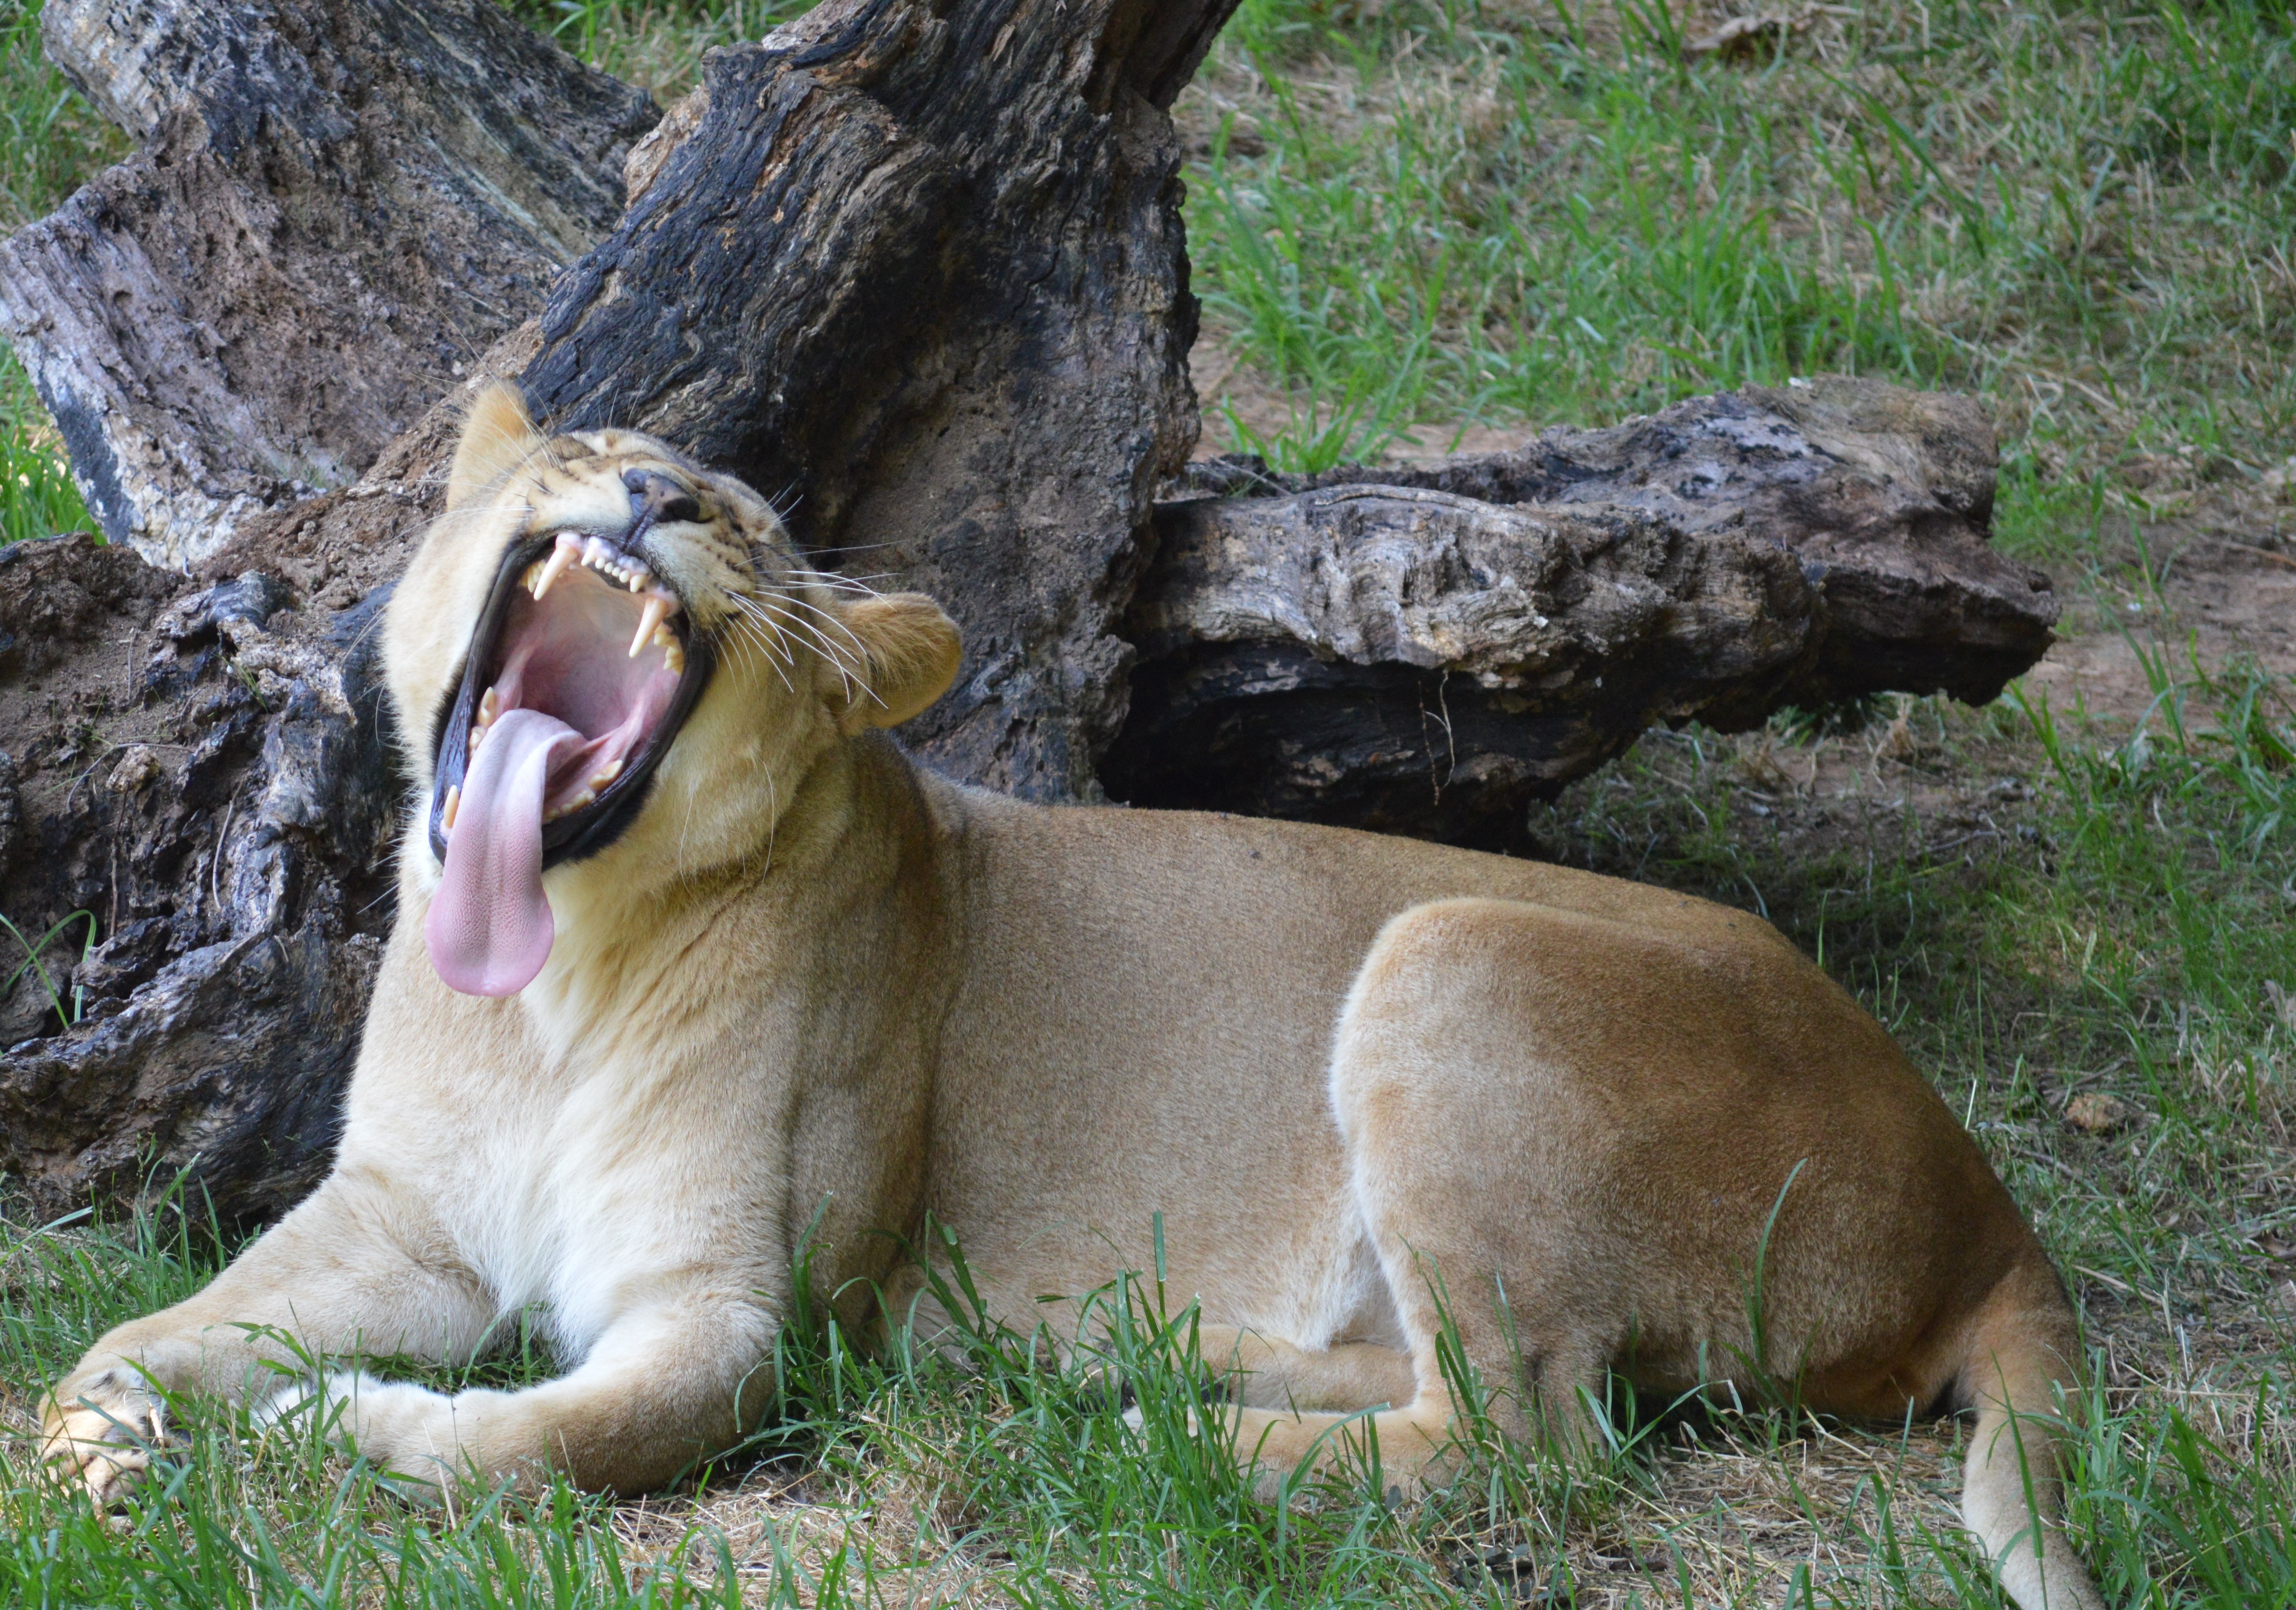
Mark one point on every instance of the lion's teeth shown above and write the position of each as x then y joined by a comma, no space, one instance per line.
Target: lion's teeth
533,575
566,551
447,812
588,796
605,774
656,612
674,658
489,708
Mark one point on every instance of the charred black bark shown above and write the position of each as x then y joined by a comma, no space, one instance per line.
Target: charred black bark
208,792
940,300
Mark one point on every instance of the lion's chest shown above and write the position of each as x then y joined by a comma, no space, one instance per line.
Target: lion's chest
575,1200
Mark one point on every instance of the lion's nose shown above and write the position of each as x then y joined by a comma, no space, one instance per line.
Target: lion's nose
656,498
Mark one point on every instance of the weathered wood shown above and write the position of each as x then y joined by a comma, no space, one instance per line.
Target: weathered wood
336,208
217,795
1427,651
920,273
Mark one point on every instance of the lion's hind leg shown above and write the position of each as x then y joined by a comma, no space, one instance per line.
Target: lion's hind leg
1459,1145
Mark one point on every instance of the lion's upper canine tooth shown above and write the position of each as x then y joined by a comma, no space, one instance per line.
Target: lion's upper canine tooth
447,811
658,608
569,549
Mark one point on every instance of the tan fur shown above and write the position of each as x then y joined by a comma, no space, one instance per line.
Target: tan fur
812,980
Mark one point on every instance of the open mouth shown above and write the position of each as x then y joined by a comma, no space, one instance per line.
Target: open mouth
580,672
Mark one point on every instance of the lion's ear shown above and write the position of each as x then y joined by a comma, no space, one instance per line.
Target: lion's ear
912,649
498,435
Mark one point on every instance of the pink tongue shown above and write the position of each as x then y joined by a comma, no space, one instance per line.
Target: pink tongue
489,928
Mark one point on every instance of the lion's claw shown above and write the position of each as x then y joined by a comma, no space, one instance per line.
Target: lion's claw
104,1439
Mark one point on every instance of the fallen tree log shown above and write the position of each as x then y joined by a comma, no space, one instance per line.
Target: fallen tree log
202,809
1428,650
921,272
1369,650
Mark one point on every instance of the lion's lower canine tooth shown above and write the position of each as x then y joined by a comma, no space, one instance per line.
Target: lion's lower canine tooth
446,813
656,612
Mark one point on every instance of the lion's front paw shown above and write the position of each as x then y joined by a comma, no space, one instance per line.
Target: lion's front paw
100,1428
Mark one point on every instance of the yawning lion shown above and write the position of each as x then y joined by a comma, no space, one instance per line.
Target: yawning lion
691,959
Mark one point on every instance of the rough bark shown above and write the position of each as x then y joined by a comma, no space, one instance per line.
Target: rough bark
1427,651
336,208
921,272
217,796
921,275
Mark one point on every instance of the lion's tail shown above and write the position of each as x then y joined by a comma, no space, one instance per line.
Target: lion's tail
2022,1375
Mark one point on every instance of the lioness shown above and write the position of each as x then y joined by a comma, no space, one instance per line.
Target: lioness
687,949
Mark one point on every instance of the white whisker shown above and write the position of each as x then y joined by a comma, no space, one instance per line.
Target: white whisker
751,642
848,672
806,604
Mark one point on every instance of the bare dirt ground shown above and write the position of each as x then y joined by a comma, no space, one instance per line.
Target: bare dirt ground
2225,599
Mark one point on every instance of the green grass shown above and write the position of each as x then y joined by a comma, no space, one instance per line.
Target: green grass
1405,216
657,44
50,141
1458,209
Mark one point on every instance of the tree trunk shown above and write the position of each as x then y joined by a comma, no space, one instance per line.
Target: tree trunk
920,273
214,800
